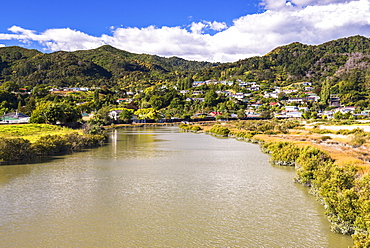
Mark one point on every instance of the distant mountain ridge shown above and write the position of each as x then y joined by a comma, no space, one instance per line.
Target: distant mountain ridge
114,67
297,62
104,65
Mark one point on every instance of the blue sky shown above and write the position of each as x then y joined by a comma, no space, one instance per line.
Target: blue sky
196,30
96,17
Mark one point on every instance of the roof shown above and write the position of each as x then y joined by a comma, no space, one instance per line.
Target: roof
15,115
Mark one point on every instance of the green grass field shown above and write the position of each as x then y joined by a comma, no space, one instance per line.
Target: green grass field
32,132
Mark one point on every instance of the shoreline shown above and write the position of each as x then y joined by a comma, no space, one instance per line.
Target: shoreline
335,175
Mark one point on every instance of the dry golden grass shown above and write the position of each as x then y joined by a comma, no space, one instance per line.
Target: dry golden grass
342,156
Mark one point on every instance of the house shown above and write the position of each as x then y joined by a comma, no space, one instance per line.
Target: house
286,114
214,113
128,100
365,112
228,83
198,83
303,109
349,109
271,95
252,114
199,99
211,81
14,118
238,95
328,114
294,114
291,108
198,92
334,100
255,105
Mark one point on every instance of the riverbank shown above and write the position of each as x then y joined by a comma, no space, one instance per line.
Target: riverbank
334,164
27,142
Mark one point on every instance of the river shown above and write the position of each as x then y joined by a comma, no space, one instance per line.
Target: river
158,187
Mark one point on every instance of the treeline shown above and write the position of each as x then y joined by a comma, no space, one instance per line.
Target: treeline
15,150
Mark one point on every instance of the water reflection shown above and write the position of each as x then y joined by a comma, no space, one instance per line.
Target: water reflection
161,188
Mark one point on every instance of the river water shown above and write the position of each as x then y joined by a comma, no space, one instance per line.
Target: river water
158,187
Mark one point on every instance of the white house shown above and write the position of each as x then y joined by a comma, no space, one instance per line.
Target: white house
14,118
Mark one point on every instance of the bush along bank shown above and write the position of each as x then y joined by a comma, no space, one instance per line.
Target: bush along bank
190,128
17,150
343,190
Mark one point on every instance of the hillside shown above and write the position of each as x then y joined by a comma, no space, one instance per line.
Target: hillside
104,65
335,61
299,62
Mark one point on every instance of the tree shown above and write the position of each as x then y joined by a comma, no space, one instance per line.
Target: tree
156,102
8,99
10,86
54,113
126,114
210,98
338,115
148,113
325,92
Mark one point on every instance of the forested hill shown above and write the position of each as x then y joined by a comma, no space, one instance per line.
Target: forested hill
334,60
104,65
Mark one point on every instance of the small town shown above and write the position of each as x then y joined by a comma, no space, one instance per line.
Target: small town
250,101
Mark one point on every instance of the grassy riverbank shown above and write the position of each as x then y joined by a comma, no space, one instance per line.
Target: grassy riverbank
334,164
23,143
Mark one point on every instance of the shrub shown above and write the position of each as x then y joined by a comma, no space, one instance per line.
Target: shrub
16,149
188,127
219,130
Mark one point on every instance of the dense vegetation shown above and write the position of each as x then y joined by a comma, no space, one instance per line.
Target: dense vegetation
339,67
102,66
19,143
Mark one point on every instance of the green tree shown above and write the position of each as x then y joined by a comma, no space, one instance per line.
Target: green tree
54,113
325,92
148,113
9,86
126,114
210,99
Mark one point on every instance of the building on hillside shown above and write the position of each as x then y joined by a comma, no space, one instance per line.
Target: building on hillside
14,118
291,108
198,83
349,109
214,113
128,100
334,100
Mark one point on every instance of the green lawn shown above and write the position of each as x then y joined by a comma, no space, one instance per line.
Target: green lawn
32,132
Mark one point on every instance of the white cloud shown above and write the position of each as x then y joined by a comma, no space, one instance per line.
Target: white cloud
281,4
283,22
217,26
197,27
200,27
2,45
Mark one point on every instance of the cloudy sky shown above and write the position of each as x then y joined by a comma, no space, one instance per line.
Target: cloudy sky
203,30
